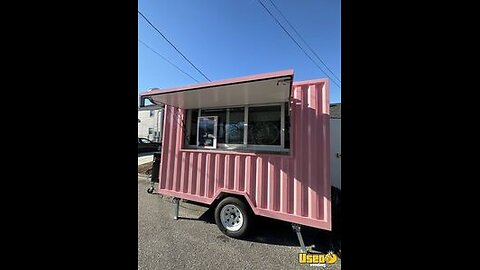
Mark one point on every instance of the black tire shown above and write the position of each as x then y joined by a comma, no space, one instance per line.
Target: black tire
245,211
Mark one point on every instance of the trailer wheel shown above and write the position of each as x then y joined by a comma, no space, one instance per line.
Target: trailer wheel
233,217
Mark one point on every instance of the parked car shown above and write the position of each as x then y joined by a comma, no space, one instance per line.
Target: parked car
145,145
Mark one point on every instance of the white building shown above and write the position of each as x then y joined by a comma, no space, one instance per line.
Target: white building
150,123
336,144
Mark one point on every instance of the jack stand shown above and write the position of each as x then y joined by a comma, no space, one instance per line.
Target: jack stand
176,202
151,188
297,228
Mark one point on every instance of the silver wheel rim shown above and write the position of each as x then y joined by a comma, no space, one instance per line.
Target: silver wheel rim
231,217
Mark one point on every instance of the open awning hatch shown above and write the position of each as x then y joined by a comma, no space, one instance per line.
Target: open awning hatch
257,89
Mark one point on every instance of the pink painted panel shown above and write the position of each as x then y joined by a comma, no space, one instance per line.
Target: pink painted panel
293,187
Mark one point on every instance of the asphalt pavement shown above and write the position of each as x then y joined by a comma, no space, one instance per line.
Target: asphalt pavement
195,242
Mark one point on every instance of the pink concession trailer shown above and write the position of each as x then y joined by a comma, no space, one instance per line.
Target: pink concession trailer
255,145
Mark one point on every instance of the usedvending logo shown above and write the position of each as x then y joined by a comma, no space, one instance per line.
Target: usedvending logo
314,259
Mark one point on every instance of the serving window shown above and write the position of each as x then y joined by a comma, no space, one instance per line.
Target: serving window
245,128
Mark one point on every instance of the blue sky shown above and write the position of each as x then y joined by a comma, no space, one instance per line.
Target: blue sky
233,38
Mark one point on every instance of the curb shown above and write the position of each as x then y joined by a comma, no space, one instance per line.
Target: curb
143,177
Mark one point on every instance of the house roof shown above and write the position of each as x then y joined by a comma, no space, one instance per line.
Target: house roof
148,108
336,110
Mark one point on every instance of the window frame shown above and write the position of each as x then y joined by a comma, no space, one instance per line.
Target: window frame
284,109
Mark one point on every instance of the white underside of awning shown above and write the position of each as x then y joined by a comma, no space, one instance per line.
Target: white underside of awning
270,88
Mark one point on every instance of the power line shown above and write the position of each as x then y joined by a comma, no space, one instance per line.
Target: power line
167,60
285,30
318,57
173,45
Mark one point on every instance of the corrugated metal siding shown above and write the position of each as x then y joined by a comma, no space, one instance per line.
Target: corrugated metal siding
293,187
